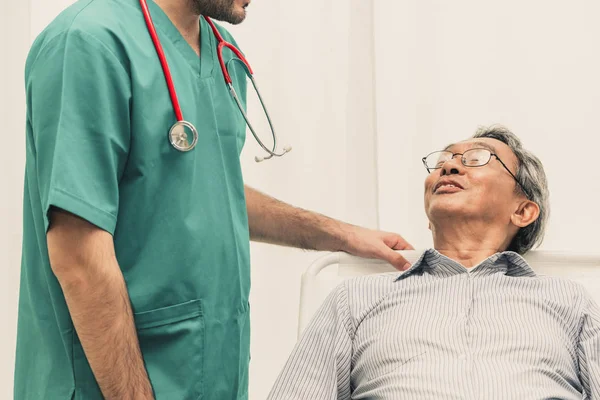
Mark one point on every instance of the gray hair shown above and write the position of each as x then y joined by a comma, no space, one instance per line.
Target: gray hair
530,173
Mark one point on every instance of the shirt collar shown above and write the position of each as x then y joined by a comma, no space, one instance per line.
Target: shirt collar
435,263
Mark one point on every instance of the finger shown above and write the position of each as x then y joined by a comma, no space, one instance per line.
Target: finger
397,260
403,245
397,242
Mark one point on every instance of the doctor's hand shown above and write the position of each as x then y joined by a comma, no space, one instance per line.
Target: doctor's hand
368,243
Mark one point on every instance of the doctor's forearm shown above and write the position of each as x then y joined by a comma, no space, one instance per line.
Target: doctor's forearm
275,222
82,258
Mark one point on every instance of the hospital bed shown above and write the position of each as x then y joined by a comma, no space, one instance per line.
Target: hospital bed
330,270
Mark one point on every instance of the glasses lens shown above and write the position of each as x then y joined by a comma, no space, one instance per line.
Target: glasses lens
476,157
437,159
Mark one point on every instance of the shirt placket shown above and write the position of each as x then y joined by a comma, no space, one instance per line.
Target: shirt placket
467,356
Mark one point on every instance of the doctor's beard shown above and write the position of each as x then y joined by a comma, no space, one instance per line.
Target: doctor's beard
221,10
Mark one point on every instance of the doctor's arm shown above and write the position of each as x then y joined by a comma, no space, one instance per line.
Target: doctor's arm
82,257
320,364
589,349
275,222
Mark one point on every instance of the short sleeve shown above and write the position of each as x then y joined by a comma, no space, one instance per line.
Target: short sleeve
78,95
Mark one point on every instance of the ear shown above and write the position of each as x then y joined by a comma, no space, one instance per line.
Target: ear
526,213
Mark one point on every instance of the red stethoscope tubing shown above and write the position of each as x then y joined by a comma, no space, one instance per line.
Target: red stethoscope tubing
223,43
163,60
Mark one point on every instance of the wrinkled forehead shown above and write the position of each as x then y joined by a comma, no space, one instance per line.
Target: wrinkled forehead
493,145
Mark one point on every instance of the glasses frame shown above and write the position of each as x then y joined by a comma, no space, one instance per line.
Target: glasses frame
462,160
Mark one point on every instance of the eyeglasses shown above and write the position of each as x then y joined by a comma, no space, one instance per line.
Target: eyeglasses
471,158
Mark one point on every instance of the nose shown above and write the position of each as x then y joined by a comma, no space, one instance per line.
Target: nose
453,166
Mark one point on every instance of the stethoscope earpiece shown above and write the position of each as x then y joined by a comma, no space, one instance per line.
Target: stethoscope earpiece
286,149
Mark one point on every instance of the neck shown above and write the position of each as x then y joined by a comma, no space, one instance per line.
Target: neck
470,242
185,18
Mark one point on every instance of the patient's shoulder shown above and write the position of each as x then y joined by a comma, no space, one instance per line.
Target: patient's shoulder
366,292
369,286
563,291
554,283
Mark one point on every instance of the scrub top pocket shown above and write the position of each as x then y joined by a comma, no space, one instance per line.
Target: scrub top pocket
172,343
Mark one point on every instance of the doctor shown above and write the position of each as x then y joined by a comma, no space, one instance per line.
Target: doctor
136,269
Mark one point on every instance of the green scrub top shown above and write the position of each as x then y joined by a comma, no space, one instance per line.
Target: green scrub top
98,117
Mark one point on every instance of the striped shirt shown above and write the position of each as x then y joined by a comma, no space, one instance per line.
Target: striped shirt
442,331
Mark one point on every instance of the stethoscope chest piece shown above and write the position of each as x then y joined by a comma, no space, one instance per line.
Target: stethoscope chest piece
183,136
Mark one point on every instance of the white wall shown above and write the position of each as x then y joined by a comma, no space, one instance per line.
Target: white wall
313,62
14,41
443,68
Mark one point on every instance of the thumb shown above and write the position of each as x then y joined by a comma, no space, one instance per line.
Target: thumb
397,260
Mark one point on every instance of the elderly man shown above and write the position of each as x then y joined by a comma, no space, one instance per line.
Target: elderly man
470,319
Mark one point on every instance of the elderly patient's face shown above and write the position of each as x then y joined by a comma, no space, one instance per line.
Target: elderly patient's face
485,193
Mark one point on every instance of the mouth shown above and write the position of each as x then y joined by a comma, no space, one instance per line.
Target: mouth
447,186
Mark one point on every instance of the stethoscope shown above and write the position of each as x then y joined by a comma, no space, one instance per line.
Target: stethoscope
180,131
